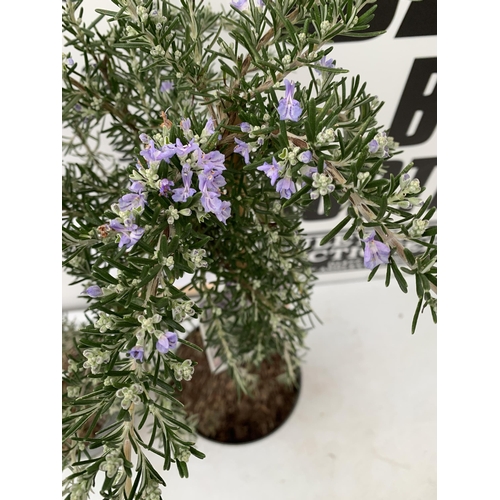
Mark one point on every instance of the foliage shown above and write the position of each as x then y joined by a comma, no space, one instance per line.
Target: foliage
218,153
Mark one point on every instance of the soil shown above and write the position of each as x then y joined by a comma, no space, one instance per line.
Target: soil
227,417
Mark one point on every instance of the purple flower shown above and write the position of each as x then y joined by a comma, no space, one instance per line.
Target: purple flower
245,127
186,124
137,187
213,160
211,201
166,86
137,353
373,146
325,63
243,149
285,187
240,4
376,252
209,127
305,156
70,61
211,180
94,291
165,186
130,233
310,171
271,170
131,201
150,153
245,4
224,211
166,342
183,150
144,138
288,107
180,195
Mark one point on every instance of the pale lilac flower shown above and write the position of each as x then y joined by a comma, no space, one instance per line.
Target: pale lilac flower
213,160
310,171
285,187
245,4
210,197
137,353
166,86
144,138
224,211
305,156
78,107
243,149
70,61
166,342
271,170
151,154
135,200
180,195
325,63
211,201
137,187
165,186
94,291
183,193
373,146
240,4
376,252
130,233
209,127
288,107
211,180
131,201
186,124
185,149
245,127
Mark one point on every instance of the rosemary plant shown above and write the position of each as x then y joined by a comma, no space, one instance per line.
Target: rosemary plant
219,147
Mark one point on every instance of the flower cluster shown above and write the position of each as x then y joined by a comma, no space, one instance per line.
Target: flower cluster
112,463
381,145
151,492
129,395
183,371
95,358
280,174
207,166
405,197
129,206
